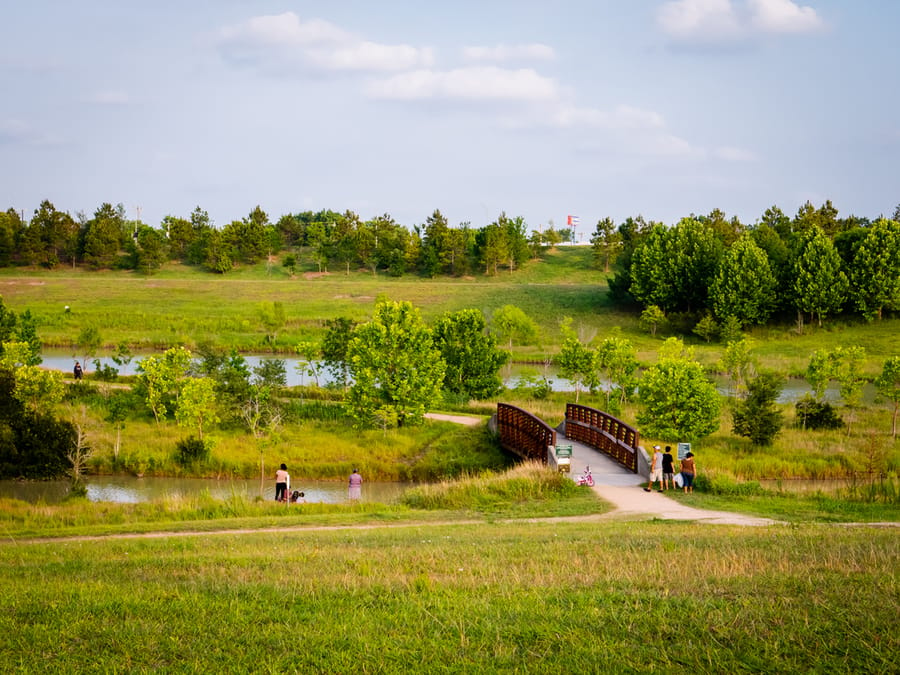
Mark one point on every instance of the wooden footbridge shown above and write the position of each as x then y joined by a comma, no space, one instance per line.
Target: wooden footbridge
529,437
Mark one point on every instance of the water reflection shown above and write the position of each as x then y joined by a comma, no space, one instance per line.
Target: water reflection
132,490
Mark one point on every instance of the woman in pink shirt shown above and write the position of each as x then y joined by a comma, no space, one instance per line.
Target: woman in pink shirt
281,484
355,485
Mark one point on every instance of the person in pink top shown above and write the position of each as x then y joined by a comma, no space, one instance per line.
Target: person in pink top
355,485
281,484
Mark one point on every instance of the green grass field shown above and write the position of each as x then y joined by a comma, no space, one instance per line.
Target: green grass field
493,597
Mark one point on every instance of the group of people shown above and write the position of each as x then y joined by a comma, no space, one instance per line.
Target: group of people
662,470
283,487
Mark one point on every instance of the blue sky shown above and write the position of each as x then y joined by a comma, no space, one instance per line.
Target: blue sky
539,109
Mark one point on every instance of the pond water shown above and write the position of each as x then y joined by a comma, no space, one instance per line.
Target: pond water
794,388
130,489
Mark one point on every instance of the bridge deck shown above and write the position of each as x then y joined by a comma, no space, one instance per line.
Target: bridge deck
606,471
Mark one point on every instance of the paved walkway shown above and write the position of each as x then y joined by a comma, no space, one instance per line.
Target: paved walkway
625,491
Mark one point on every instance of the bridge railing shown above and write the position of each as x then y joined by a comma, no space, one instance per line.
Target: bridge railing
604,432
524,434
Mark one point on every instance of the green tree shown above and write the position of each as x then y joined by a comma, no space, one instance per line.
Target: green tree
875,271
651,279
26,332
820,285
148,250
512,324
338,333
33,444
707,328
436,251
180,235
679,402
745,286
38,389
102,235
158,379
397,371
492,245
758,417
606,241
887,384
290,264
616,359
8,321
88,343
196,405
820,371
308,362
740,365
57,234
576,361
694,254
471,354
848,365
652,318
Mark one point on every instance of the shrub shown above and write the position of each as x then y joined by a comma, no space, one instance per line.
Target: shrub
813,414
723,484
191,450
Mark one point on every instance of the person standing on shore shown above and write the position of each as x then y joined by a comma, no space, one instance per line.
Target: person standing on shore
77,371
281,484
688,471
355,486
668,467
656,469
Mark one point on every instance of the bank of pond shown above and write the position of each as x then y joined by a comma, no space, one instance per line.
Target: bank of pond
133,489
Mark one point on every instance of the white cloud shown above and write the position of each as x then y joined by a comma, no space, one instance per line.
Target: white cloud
506,53
284,43
783,16
714,21
706,19
483,83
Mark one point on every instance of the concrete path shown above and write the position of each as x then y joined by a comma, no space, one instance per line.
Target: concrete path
625,491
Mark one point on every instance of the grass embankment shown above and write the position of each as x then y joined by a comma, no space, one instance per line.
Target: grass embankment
494,596
526,490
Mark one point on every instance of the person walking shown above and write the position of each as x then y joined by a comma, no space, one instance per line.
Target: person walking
668,469
688,472
282,478
77,371
355,486
656,469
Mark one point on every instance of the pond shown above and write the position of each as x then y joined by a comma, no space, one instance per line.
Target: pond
131,490
794,388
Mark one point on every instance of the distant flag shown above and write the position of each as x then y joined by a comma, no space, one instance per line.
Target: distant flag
572,221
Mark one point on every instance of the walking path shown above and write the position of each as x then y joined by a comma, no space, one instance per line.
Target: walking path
625,491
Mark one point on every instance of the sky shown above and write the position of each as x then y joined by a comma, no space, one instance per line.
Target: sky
593,108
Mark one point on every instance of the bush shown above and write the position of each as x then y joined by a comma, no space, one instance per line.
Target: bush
191,450
105,373
813,414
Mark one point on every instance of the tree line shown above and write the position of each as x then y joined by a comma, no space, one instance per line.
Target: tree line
109,239
718,276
